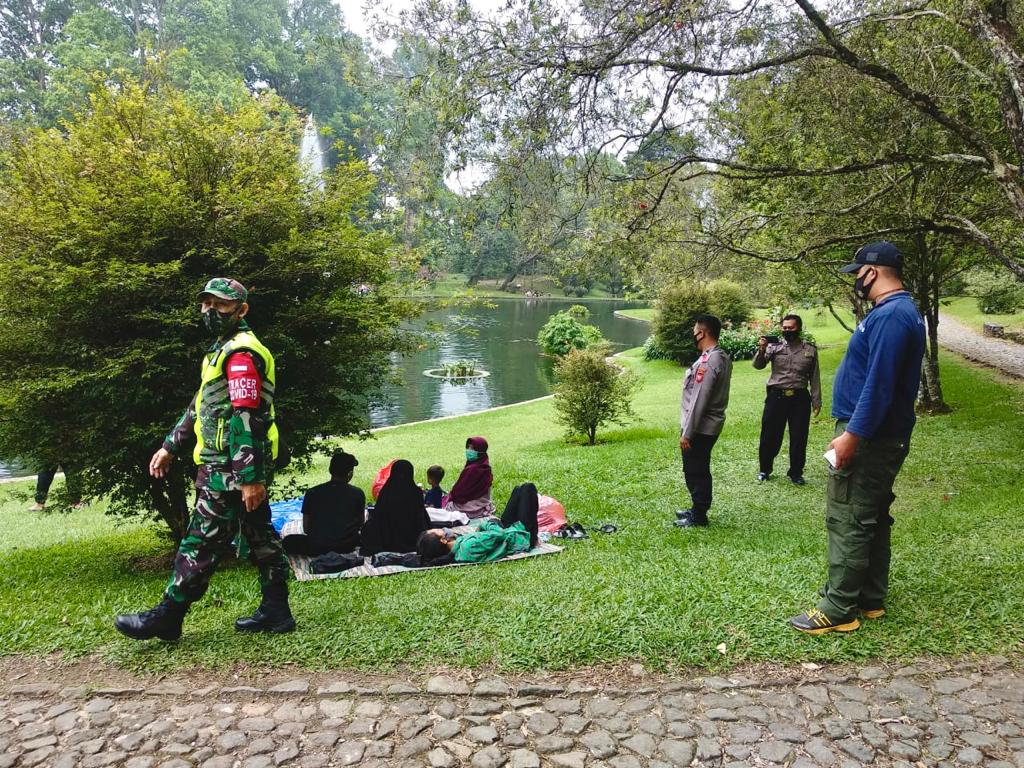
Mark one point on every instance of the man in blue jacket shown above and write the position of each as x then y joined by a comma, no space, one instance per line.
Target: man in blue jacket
873,400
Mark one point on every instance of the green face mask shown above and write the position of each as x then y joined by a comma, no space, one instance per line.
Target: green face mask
219,323
472,455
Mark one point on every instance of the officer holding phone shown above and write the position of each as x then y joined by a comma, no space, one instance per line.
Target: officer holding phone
794,389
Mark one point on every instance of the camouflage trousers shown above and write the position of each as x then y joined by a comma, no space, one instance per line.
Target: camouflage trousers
218,517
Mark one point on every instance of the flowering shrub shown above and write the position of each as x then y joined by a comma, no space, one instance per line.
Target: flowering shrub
740,342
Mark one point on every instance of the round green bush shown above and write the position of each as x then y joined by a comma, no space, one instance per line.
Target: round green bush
678,307
729,301
563,333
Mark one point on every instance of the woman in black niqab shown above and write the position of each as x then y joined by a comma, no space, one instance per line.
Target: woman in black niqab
399,516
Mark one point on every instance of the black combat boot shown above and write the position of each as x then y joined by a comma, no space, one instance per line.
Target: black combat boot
273,615
164,622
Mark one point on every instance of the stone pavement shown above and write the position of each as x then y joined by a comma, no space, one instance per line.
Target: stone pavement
933,713
1007,356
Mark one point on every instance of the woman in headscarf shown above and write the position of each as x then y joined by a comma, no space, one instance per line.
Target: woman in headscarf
471,493
399,517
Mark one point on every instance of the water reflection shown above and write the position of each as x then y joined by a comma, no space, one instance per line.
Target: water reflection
501,340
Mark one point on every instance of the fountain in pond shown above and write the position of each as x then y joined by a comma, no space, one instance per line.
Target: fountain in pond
312,154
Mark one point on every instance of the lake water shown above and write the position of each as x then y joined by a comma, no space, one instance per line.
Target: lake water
503,341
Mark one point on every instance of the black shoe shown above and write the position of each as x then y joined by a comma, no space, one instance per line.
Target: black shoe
273,617
814,622
578,531
762,476
798,480
683,514
691,522
163,622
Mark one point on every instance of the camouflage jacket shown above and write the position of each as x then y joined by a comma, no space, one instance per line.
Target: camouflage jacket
242,452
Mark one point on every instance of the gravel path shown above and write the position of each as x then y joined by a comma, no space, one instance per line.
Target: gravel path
1007,356
933,713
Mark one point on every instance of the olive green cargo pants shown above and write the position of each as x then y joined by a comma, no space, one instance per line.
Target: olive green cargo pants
859,526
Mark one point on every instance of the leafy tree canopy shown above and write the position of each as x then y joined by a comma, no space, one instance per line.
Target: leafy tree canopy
109,227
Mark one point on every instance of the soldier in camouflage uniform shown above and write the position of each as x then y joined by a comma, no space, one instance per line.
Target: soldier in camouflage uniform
231,421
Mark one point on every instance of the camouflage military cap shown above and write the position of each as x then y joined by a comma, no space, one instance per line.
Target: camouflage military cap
225,288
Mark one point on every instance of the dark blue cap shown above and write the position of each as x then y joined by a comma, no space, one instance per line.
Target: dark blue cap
880,254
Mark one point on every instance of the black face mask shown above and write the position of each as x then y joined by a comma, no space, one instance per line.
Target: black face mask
219,323
791,335
697,337
861,289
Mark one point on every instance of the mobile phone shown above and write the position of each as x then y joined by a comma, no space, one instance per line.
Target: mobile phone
772,339
830,457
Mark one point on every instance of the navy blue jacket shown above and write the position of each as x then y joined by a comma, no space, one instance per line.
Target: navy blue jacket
875,388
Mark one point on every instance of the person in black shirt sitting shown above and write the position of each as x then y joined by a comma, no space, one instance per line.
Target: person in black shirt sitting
332,513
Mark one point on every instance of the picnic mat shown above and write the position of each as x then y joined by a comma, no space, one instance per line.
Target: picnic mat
287,519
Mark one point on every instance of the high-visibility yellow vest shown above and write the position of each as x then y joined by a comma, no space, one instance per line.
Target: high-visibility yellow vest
213,404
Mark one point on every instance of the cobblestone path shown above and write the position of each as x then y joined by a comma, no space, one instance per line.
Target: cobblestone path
1007,356
927,714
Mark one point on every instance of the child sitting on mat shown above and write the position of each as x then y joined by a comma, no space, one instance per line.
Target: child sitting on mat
433,498
515,532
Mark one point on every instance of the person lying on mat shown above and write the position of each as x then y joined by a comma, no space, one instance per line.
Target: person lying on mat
471,493
515,532
332,513
399,517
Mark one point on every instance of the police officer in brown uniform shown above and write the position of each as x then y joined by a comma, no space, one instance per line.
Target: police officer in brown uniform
702,416
794,389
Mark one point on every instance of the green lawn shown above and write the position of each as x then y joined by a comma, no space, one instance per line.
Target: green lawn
645,313
649,593
966,310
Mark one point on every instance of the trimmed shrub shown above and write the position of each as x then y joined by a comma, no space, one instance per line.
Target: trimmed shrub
654,352
678,308
578,312
563,333
591,392
729,301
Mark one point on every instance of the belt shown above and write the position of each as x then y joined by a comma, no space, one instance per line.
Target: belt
785,392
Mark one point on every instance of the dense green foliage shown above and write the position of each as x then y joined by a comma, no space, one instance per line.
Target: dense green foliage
995,294
563,333
592,392
651,350
678,307
649,593
107,232
729,301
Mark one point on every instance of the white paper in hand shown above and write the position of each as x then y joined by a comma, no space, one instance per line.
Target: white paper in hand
830,457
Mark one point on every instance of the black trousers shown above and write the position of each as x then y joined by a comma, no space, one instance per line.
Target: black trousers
522,507
45,479
697,471
779,411
300,544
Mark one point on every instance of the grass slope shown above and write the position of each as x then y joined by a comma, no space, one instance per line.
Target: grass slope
644,313
649,593
965,309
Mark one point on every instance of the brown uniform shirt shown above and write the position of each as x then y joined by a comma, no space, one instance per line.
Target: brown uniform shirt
706,394
794,366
